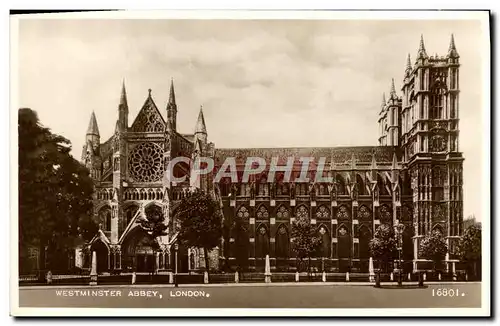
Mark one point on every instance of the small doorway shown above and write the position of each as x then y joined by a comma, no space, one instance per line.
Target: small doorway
102,256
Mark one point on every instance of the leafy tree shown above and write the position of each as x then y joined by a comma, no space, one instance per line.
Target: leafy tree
55,192
383,245
306,242
433,247
200,222
469,246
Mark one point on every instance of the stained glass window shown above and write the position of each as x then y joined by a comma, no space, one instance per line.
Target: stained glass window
262,213
322,213
302,213
282,213
243,212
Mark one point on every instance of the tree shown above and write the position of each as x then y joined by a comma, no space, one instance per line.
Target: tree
306,242
383,245
469,247
55,192
200,222
433,247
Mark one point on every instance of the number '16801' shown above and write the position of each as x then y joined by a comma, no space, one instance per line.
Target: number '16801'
446,293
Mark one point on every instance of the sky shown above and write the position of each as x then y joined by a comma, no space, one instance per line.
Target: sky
262,83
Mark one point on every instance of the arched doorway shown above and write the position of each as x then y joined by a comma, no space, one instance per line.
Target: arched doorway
102,255
139,251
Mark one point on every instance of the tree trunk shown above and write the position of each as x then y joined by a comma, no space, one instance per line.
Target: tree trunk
207,267
309,267
41,262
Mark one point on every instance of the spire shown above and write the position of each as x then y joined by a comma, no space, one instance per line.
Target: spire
384,101
200,124
452,50
393,90
123,96
408,65
171,97
93,129
421,50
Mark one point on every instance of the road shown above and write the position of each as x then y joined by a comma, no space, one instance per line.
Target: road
251,296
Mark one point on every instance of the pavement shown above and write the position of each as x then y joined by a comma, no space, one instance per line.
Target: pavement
257,295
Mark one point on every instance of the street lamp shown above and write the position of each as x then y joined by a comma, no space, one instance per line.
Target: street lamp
176,248
399,228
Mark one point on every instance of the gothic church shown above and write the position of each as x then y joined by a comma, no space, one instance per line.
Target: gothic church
413,177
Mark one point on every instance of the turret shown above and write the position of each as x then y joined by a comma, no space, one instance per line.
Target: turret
93,132
200,131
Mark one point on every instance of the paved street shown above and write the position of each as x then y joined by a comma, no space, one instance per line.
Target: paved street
251,296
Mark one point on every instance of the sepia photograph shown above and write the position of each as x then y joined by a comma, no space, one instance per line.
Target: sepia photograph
318,163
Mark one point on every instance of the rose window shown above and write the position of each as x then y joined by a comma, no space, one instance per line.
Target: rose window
145,163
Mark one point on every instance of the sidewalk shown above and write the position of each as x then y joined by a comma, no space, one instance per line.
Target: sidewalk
392,284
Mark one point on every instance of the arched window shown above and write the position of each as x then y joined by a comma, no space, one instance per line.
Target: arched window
243,213
302,189
361,185
105,218
436,102
343,213
302,212
340,184
385,215
282,213
381,185
262,242
282,242
263,186
364,213
325,250
130,213
322,213
323,190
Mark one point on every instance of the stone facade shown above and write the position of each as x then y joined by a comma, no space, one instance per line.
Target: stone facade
414,178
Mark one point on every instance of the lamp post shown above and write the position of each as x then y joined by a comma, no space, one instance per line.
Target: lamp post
176,248
399,228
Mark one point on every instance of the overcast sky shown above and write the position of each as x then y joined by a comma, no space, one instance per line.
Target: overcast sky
261,83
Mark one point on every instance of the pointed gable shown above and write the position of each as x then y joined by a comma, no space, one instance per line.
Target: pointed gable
149,118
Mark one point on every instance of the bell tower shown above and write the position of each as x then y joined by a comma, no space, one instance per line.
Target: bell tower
430,130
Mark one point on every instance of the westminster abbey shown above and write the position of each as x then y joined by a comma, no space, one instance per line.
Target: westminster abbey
413,177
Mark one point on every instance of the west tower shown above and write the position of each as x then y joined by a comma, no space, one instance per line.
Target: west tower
430,130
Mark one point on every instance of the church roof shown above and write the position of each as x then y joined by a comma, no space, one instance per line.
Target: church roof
339,155
188,137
